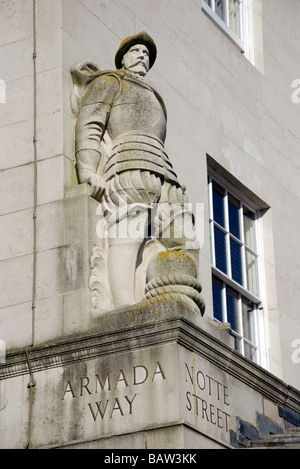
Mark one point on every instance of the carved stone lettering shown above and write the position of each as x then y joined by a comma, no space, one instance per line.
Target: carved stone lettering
209,399
105,384
110,406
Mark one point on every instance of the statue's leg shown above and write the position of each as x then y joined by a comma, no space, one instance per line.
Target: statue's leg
129,197
122,257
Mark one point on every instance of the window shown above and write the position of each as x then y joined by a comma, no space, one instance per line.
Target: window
236,269
234,17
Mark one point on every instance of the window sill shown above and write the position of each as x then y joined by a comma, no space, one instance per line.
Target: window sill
223,27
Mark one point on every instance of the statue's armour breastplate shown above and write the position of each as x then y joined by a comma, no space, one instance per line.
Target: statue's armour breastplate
136,108
137,126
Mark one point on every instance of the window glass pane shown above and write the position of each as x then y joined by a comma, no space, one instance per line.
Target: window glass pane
251,272
232,309
218,204
208,2
220,250
236,261
234,221
240,250
217,299
219,8
234,17
249,229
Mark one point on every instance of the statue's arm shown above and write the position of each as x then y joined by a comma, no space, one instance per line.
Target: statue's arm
89,131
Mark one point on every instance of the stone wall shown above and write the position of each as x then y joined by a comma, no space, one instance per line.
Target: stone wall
152,377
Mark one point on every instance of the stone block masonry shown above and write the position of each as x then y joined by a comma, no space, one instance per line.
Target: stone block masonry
155,376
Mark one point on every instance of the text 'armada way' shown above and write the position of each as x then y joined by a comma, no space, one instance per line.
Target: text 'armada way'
121,405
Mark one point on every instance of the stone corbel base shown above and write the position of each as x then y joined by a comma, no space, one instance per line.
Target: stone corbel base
155,376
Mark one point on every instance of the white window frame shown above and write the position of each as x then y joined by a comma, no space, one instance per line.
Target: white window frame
259,311
245,42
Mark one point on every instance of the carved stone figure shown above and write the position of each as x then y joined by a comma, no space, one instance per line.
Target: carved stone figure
150,248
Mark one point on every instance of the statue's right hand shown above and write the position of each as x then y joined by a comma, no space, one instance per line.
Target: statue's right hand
97,186
87,162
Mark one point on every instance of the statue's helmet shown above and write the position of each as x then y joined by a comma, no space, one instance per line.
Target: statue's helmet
139,38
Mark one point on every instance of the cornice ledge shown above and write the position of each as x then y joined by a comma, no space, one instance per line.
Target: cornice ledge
239,367
125,329
139,327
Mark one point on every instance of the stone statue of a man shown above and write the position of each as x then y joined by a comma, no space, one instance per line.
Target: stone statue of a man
119,139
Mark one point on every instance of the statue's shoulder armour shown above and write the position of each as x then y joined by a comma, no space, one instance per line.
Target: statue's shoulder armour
109,80
89,81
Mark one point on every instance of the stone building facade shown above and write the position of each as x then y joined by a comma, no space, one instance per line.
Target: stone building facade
231,84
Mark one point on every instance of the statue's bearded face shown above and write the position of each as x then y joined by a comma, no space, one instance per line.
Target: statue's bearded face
136,59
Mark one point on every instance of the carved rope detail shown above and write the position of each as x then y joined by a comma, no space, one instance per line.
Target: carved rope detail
174,279
180,284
